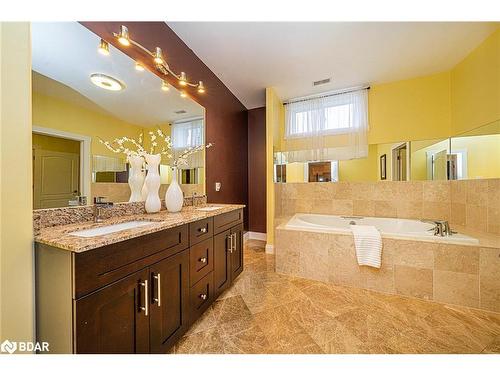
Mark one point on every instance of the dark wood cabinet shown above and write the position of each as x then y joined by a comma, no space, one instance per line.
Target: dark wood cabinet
222,261
169,301
228,257
140,295
114,319
236,255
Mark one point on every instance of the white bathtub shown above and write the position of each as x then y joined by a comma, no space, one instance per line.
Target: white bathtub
388,227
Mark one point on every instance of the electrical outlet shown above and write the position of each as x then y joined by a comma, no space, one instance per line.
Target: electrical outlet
217,186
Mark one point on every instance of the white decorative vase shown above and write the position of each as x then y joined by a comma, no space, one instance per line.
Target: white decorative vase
174,199
152,182
144,191
135,178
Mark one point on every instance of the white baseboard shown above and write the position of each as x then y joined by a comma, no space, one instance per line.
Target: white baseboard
269,249
255,236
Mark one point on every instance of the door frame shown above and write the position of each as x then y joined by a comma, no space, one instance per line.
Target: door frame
393,163
85,142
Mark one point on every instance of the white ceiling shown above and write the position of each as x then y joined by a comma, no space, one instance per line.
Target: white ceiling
67,52
249,57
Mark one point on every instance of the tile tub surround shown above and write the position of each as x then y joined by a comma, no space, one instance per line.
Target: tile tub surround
51,217
455,274
473,204
58,236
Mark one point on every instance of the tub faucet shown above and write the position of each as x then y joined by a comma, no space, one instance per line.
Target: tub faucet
99,204
441,227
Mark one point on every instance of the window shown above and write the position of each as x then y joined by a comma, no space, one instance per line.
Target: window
187,134
332,120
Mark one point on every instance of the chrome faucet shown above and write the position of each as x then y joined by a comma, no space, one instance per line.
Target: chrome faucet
99,204
193,198
441,227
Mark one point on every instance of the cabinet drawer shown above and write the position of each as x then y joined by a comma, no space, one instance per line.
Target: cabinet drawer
102,266
201,230
229,219
201,296
201,260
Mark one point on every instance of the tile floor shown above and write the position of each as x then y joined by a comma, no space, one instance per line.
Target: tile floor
265,312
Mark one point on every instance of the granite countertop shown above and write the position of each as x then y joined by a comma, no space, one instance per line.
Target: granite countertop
58,236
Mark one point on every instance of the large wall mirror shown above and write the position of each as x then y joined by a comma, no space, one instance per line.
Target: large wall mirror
471,155
80,96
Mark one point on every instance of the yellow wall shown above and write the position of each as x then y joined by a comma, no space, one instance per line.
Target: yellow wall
295,173
417,108
16,235
475,87
48,143
275,116
360,169
50,112
483,155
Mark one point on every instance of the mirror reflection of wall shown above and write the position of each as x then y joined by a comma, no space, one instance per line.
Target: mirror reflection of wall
472,155
72,111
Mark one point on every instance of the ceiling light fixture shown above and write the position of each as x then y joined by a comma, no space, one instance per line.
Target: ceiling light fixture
106,82
158,56
139,67
160,64
103,48
124,37
201,88
183,79
164,86
183,94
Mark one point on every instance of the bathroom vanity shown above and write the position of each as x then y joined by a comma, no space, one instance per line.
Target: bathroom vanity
140,295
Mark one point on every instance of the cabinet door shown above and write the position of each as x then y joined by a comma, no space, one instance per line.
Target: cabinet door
236,254
222,273
169,301
114,319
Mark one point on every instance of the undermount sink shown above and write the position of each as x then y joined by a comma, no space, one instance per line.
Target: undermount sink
108,229
211,208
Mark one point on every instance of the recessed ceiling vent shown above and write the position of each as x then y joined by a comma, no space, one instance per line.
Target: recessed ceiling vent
180,112
322,82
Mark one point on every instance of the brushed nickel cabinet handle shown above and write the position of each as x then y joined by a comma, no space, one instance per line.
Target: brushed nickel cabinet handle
145,308
203,297
157,277
234,242
203,260
203,230
230,243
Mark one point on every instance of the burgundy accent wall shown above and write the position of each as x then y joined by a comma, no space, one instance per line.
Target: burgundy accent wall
226,117
257,170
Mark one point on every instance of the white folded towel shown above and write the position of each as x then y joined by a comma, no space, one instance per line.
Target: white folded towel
368,242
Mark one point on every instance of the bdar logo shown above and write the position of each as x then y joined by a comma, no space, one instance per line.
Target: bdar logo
8,347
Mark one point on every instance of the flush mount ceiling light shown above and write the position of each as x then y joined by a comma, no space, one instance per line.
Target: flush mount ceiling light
161,65
106,82
139,67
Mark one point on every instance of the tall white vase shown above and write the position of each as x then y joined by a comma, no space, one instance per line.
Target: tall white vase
153,203
174,199
135,178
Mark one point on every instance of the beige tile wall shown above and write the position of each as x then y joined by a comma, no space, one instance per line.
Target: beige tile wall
471,203
447,273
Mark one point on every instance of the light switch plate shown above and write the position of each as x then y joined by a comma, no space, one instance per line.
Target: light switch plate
217,186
